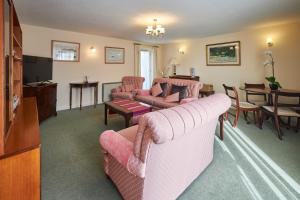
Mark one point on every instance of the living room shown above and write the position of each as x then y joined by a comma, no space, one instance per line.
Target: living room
95,62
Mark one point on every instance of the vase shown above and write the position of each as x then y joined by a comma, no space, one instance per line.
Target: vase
273,86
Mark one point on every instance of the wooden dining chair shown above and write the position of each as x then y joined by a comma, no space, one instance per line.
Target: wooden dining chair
279,110
239,106
249,93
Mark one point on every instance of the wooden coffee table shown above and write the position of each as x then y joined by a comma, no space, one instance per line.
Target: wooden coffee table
127,108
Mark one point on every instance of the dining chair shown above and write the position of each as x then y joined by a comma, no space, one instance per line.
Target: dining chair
249,93
280,110
240,106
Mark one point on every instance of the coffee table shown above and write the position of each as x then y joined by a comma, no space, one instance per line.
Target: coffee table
127,108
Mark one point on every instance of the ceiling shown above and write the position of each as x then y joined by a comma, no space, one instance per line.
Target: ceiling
182,18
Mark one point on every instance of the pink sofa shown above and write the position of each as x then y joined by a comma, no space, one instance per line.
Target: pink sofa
193,88
130,84
166,152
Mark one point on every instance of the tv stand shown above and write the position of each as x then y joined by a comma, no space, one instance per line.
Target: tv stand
45,95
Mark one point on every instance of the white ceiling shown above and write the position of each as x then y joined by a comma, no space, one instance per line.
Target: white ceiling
182,18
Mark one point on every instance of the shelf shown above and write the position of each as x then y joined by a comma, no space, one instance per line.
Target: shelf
16,41
16,58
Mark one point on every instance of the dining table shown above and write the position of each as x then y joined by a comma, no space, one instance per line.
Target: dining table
268,92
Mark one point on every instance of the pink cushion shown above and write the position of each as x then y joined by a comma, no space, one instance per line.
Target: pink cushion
143,92
172,98
156,90
129,87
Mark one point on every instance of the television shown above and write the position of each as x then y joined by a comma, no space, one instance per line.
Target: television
36,69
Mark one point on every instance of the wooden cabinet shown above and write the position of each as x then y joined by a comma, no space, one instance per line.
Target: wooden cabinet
20,166
46,98
19,127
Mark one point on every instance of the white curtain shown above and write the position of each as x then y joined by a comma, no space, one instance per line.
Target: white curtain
137,64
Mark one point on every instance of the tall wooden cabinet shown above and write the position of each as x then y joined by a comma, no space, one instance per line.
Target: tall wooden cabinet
19,127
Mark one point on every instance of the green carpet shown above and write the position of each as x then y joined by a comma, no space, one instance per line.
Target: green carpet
72,167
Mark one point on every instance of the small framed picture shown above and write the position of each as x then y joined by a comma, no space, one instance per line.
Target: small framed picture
114,55
223,54
65,51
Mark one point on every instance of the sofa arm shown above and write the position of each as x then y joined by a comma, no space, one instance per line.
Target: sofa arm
143,92
117,146
117,89
187,100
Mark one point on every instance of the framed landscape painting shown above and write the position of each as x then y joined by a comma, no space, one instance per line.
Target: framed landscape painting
223,54
114,55
65,51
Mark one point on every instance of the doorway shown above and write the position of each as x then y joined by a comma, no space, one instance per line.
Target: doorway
147,67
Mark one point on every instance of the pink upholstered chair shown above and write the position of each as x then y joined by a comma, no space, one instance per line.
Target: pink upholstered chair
166,152
128,88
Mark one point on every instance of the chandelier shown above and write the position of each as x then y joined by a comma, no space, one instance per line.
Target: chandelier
155,30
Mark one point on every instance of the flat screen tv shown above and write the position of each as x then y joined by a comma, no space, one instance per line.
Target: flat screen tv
36,69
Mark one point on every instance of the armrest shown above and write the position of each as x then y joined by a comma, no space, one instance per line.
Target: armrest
143,92
117,89
187,100
117,146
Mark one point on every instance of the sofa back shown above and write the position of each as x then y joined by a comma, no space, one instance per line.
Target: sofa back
193,87
136,81
176,144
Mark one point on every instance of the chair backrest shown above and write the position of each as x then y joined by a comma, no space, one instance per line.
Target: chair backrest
136,81
193,87
257,86
232,93
287,102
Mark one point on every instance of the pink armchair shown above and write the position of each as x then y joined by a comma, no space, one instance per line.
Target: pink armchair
150,161
130,84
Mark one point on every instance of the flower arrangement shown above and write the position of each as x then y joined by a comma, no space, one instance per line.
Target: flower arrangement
274,85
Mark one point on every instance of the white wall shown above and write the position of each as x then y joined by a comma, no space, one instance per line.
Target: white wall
286,51
37,42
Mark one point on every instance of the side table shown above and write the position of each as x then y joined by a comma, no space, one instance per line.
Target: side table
81,85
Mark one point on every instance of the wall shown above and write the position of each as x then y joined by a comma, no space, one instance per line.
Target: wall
37,42
286,51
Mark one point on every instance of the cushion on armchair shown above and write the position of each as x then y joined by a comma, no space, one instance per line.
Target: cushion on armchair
181,89
156,90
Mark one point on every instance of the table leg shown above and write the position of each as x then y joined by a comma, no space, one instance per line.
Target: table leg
127,120
221,119
95,96
105,114
70,97
80,97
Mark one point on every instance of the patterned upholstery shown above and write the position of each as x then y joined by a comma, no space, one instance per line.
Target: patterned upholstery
159,167
193,88
133,82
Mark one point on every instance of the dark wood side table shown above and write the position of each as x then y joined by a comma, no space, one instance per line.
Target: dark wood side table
81,85
206,90
207,93
195,78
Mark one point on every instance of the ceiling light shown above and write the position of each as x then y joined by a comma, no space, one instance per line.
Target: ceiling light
156,30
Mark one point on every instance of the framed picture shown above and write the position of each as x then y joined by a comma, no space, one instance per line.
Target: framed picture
114,55
65,51
223,54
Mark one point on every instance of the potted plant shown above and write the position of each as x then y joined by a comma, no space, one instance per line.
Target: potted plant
274,85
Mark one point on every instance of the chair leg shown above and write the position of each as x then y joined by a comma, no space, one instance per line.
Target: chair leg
226,117
289,123
254,116
278,127
246,117
298,124
236,118
262,116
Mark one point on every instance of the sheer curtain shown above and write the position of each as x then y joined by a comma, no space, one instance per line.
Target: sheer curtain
141,66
